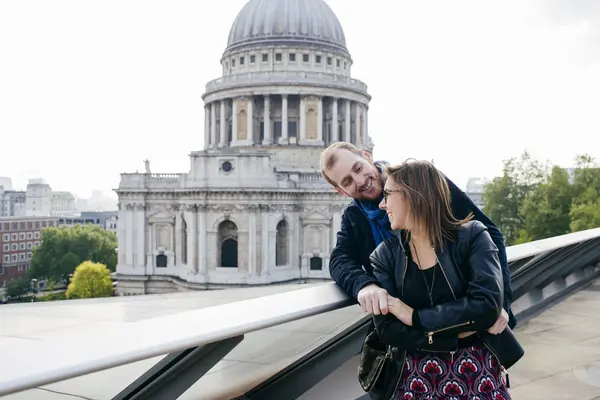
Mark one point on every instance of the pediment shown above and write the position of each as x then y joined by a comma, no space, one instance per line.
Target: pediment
315,217
162,216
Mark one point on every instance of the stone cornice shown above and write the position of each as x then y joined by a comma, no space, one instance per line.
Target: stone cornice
227,194
300,88
234,208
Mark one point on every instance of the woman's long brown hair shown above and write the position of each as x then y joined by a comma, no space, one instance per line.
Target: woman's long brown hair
428,196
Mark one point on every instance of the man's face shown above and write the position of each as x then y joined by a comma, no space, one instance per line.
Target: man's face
356,175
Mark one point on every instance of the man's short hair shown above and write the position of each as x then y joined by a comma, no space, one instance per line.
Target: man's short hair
329,158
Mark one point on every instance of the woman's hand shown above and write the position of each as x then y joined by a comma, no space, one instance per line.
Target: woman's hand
402,311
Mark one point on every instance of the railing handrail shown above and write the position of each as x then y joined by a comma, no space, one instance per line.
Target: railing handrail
124,343
525,250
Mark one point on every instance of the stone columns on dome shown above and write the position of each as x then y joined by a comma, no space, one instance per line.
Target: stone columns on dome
334,121
347,122
234,121
267,139
302,133
207,143
222,125
250,123
320,120
284,119
213,124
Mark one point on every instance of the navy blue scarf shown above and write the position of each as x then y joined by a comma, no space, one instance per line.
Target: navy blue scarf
378,219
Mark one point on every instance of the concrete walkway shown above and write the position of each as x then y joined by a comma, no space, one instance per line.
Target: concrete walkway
562,345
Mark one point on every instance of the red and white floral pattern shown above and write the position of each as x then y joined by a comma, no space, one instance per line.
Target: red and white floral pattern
470,374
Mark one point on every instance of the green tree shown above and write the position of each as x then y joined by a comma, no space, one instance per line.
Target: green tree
90,280
63,249
504,195
545,211
585,216
585,210
16,288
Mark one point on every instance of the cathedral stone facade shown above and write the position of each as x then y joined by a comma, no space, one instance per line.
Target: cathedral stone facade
253,209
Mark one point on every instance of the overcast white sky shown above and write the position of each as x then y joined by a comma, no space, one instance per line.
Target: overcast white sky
88,89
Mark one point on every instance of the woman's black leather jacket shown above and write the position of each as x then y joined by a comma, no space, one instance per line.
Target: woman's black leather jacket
472,269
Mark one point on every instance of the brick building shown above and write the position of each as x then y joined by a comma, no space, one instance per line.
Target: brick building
18,237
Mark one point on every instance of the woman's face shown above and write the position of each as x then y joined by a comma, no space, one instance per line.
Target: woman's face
395,204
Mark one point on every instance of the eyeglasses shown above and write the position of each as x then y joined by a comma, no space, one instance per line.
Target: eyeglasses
386,194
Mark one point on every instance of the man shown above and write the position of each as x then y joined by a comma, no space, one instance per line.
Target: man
352,172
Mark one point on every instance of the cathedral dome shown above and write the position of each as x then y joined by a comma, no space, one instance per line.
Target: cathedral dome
286,22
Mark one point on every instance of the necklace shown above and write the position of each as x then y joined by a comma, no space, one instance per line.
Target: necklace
429,289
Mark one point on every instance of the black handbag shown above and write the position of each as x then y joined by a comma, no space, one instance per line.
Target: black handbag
378,369
505,346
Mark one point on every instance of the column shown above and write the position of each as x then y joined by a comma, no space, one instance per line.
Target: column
357,123
320,120
121,236
129,235
302,134
335,227
334,121
264,257
250,109
178,249
347,125
207,143
213,124
251,242
267,139
365,138
223,125
190,218
202,263
234,120
284,119
140,240
140,252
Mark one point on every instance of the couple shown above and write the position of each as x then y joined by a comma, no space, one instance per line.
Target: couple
418,254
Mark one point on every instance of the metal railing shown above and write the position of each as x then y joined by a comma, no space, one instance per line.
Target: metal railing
543,272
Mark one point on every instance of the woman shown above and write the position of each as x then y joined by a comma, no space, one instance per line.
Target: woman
444,281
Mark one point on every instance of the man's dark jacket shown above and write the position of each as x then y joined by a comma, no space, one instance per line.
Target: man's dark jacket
349,264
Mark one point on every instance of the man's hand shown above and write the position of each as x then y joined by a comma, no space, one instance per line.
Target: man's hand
400,309
500,324
373,299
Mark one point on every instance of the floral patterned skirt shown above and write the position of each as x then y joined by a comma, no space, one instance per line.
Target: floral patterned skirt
472,373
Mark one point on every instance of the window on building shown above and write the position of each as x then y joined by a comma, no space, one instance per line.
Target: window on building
316,264
281,244
228,244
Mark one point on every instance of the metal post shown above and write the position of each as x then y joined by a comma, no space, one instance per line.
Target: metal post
177,372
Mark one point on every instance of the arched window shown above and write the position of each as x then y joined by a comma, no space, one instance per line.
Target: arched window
281,244
316,263
228,244
184,242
